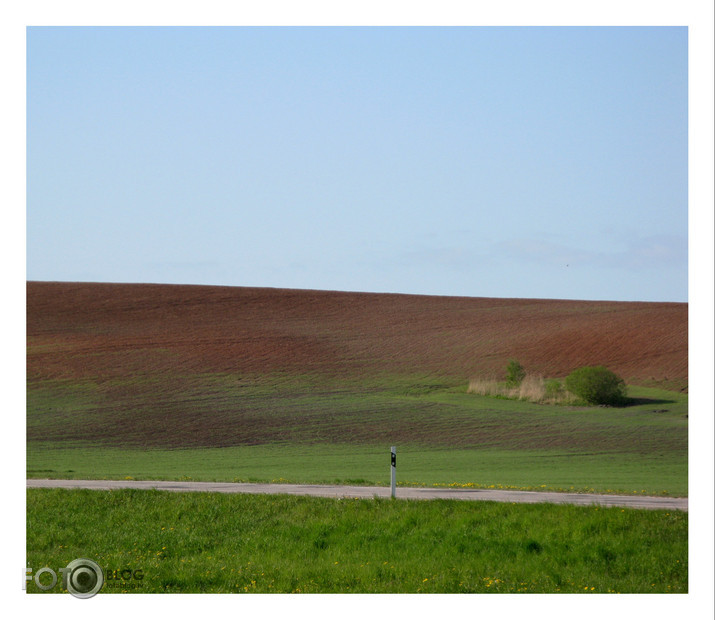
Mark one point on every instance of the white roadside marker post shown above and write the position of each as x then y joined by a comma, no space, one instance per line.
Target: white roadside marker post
393,467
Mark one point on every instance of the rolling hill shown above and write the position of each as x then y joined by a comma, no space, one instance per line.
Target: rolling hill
105,331
258,384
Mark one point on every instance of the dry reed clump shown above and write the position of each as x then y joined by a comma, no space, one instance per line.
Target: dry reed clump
533,388
486,387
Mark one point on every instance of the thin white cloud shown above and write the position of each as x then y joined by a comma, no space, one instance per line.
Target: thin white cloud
653,252
646,253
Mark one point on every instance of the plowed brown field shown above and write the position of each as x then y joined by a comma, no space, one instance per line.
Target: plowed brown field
106,331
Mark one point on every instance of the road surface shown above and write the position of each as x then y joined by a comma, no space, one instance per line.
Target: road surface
493,495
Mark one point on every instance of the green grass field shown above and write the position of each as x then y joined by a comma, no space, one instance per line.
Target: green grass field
318,430
200,542
365,465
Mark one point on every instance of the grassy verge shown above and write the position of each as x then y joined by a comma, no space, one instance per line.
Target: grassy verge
195,542
545,470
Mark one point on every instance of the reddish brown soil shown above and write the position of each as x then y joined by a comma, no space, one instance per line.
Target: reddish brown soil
77,330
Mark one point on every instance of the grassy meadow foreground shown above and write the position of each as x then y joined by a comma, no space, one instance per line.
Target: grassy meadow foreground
285,544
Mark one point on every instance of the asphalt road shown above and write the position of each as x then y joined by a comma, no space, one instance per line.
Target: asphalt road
493,495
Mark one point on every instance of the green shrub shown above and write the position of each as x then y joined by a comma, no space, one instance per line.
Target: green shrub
515,373
553,388
597,385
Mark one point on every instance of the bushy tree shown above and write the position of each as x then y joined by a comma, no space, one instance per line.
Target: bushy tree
597,385
515,373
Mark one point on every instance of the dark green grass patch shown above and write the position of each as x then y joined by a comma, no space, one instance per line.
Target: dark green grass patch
205,411
200,542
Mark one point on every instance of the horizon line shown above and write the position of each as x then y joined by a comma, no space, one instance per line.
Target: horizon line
351,292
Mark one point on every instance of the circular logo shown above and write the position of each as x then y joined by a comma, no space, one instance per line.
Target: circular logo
85,578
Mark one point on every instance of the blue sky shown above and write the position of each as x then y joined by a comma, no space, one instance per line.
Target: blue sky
546,162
